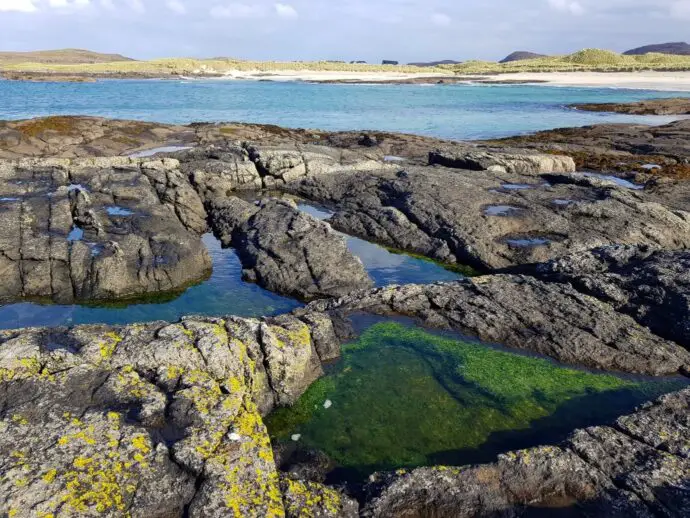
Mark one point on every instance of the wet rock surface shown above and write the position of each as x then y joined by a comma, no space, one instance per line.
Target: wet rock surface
652,286
636,467
151,420
287,251
442,213
98,229
523,313
677,106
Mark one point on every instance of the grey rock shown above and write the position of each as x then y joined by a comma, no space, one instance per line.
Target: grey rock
508,161
599,471
444,214
288,251
94,229
652,286
524,313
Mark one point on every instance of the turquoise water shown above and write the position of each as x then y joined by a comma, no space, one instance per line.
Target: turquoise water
448,111
224,293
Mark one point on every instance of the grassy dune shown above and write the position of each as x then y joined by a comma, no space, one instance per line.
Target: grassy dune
588,60
62,56
184,66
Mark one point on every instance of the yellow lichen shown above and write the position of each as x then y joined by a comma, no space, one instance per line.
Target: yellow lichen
50,476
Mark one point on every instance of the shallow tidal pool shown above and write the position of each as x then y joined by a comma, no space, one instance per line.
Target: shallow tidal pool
403,397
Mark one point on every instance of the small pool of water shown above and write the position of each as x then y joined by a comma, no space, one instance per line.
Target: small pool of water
527,242
403,397
518,186
224,293
76,234
502,210
163,149
118,211
385,266
618,181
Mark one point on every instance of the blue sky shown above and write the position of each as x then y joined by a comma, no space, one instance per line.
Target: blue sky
372,30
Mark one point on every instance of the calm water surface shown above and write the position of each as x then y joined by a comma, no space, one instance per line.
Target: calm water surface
403,397
448,111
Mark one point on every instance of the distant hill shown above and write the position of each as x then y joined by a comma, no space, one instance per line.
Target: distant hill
61,56
435,63
677,47
521,55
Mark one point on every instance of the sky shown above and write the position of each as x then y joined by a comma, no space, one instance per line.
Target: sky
371,30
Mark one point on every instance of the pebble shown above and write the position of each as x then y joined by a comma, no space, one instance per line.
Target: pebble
296,437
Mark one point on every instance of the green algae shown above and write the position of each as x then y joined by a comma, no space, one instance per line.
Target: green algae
403,397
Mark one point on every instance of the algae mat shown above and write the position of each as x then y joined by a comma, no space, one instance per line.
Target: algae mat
403,397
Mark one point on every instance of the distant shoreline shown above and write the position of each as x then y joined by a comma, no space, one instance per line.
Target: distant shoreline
660,81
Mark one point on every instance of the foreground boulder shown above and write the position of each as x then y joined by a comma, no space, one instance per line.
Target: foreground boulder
98,229
523,313
152,420
287,251
638,467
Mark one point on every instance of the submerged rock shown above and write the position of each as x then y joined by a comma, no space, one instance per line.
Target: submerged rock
524,313
287,251
636,467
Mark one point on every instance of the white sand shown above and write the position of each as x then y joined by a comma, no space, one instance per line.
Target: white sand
312,75
671,81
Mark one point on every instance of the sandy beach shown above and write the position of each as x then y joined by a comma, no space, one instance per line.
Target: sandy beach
666,81
319,75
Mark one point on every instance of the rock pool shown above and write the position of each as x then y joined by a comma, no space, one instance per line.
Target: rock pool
402,397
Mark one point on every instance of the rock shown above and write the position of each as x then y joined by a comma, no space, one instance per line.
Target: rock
216,172
301,463
600,471
312,499
290,252
500,161
618,148
678,106
493,219
151,420
652,286
523,313
98,229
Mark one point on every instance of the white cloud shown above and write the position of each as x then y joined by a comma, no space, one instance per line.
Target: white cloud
237,10
67,4
442,20
136,5
24,6
567,6
681,10
176,6
108,4
286,11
